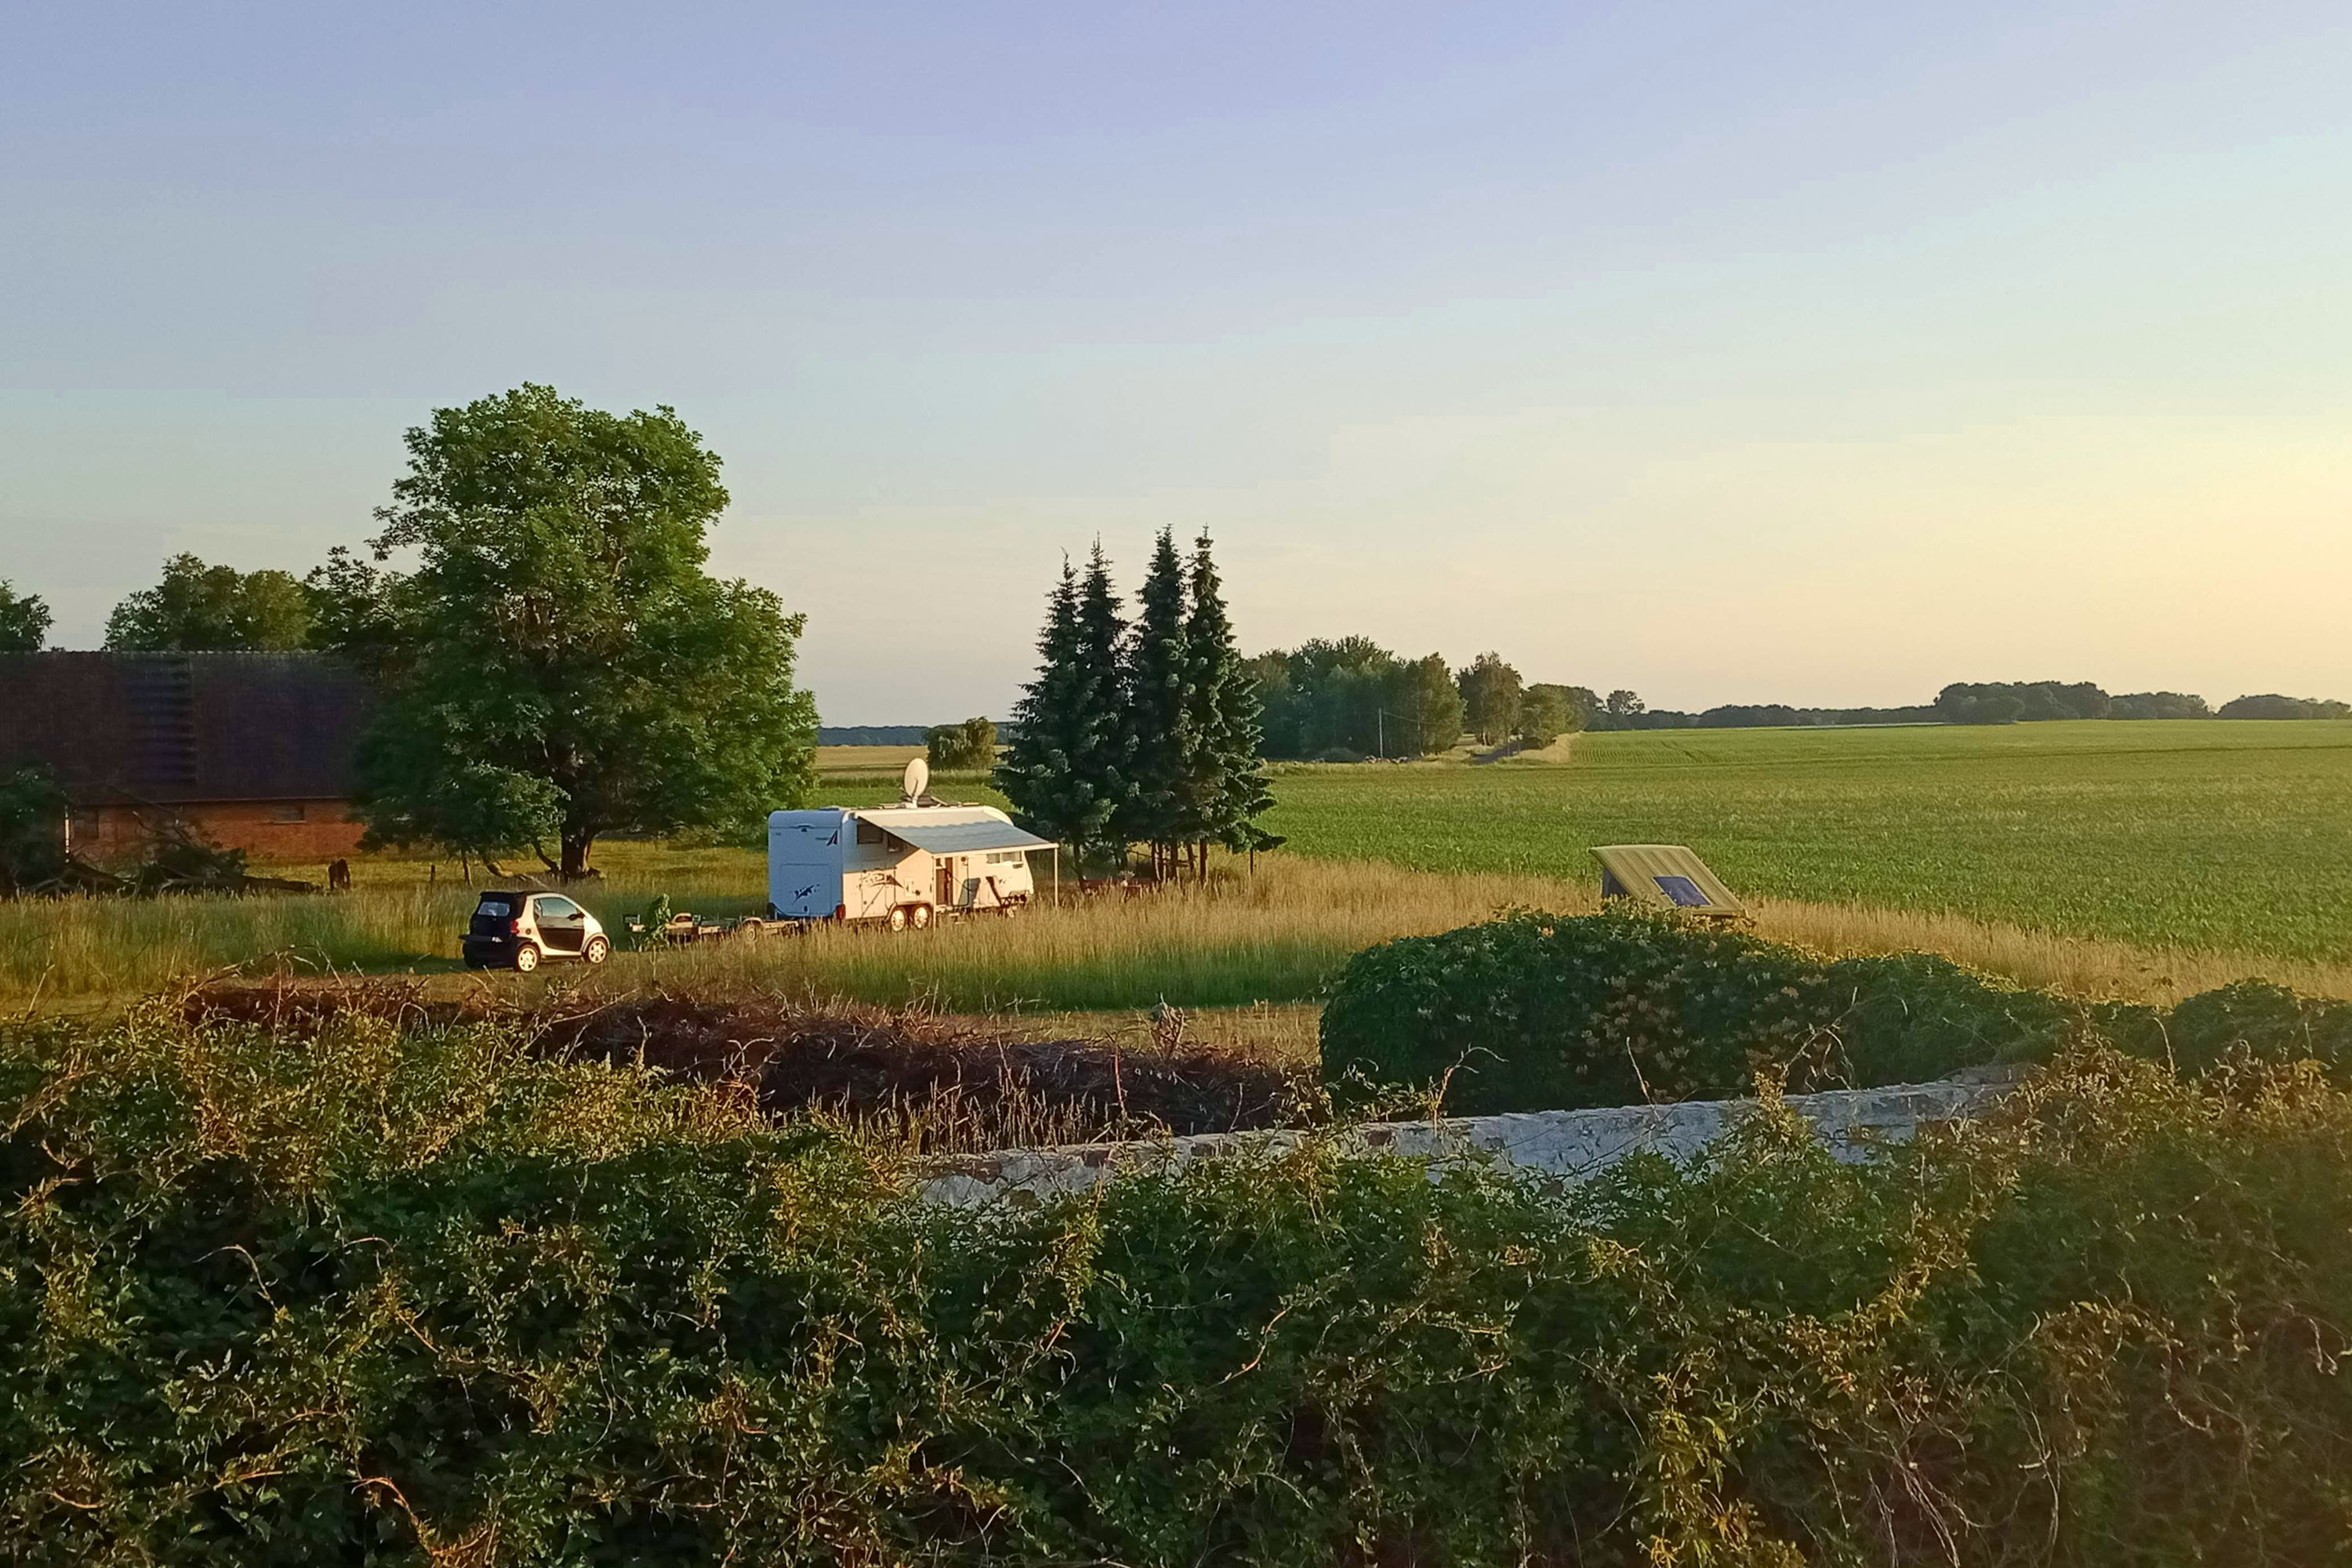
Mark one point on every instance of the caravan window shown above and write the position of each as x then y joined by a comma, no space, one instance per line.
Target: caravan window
867,833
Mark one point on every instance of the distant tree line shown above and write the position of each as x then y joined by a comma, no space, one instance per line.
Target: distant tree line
1140,732
1634,715
1350,698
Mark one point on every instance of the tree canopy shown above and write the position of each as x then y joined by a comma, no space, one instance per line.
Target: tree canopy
1490,698
558,665
24,620
198,607
968,746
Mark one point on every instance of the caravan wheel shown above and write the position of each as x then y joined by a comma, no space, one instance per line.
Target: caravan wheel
898,917
922,915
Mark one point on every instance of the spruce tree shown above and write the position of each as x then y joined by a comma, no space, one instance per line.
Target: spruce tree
1225,789
1060,768
1108,761
1160,708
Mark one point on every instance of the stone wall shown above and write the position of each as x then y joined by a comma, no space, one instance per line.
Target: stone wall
1569,1143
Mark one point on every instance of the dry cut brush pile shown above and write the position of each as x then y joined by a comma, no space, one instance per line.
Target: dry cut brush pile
353,1294
940,1083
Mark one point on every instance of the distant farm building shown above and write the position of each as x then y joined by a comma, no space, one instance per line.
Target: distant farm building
254,749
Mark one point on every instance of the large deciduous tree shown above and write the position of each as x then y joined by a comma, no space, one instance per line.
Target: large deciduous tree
199,607
1490,698
24,620
558,665
1428,705
1546,712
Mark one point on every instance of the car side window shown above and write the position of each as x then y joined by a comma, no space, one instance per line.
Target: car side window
558,908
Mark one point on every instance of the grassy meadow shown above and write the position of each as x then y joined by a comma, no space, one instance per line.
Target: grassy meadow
2138,860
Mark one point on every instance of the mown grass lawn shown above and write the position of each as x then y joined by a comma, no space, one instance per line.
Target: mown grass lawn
2232,835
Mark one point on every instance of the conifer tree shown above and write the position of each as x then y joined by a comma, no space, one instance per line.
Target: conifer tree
1224,788
1064,769
1160,708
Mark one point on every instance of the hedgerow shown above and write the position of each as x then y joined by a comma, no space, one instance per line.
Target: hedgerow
1536,1012
371,1296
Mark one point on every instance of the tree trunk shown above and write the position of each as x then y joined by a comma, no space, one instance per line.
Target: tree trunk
575,854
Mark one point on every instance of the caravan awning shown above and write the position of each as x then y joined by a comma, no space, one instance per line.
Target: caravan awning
963,838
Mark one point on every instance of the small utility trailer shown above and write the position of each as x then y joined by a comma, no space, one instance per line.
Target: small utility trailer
899,866
684,927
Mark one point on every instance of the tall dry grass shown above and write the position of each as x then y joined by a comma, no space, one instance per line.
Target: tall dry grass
1275,937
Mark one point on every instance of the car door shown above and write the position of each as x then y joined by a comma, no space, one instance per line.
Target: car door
562,924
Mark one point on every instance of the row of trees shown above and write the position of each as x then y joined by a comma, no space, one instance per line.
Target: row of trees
195,607
2027,702
1144,733
1352,698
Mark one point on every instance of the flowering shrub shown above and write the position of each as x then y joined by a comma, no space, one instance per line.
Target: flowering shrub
1536,1012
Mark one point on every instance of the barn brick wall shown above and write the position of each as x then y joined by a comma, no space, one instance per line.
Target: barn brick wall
324,831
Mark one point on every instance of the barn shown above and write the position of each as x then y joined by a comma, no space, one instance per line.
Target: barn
254,749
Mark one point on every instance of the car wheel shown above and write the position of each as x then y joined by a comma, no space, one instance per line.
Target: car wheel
922,915
526,959
597,951
898,917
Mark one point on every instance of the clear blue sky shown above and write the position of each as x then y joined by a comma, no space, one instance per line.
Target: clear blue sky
1728,351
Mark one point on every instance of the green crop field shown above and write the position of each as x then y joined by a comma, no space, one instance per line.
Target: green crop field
2235,835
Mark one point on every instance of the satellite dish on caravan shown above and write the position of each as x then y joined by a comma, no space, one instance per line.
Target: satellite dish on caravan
919,778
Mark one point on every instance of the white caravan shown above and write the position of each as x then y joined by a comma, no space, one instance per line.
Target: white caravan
899,864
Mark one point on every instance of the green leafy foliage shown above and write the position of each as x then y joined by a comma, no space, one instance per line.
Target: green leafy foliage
373,1298
966,747
25,620
32,831
1352,695
1490,698
559,665
199,607
1536,1012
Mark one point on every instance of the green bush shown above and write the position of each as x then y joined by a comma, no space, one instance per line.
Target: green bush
1536,1012
369,1298
1539,1012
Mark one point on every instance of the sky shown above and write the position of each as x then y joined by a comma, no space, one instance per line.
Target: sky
1732,352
